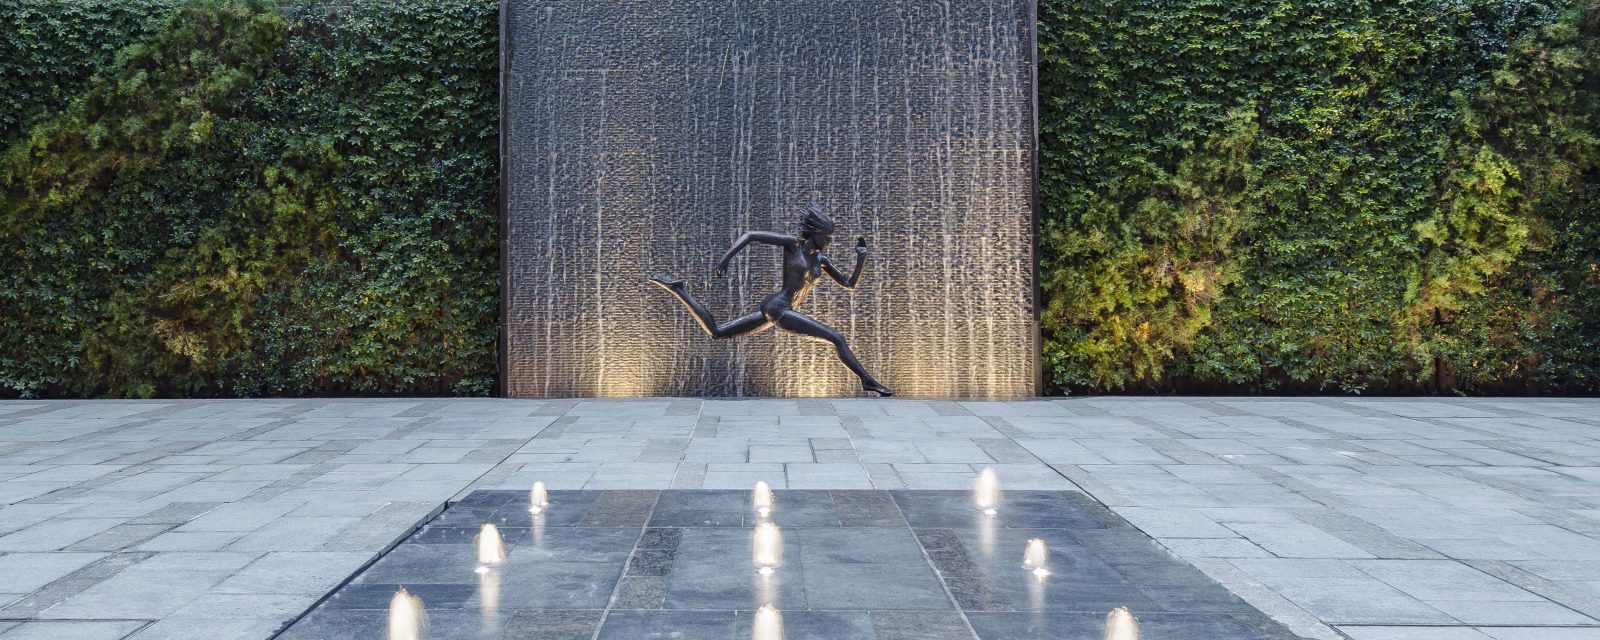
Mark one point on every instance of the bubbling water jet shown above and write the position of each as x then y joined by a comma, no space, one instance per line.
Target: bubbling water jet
1037,558
761,497
538,498
987,492
768,624
408,620
491,548
766,548
1121,625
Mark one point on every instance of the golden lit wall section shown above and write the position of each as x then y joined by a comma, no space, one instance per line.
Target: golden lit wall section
645,137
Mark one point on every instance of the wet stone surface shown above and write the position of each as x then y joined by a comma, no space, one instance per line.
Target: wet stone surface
643,137
857,565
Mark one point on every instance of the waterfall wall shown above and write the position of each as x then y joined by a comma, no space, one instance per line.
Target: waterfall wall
644,136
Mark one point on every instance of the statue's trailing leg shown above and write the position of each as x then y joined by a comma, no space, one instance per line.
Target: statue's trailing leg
744,325
802,324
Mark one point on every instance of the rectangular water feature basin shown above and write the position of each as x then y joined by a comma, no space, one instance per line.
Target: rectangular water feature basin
856,565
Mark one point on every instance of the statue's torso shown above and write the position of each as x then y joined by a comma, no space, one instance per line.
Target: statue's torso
800,274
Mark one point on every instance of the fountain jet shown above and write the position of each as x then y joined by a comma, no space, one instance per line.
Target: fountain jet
987,492
761,497
408,620
766,548
538,498
1121,625
491,548
1037,558
768,624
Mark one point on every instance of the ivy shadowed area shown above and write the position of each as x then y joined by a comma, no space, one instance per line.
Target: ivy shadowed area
238,201
1320,196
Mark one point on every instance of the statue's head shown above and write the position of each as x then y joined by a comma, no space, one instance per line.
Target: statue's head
817,226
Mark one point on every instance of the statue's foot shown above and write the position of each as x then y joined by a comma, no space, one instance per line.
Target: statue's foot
667,282
882,391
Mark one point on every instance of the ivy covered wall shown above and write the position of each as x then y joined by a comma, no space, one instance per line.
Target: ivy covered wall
1321,195
219,198
210,198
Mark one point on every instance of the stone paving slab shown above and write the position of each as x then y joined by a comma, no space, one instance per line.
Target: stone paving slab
1341,517
856,565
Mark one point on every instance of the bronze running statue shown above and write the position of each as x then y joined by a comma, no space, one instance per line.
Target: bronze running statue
803,265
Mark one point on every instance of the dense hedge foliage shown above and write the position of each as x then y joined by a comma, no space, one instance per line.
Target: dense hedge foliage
50,47
248,203
1321,195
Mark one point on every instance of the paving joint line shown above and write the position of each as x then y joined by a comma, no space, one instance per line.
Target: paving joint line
467,488
944,585
617,588
412,530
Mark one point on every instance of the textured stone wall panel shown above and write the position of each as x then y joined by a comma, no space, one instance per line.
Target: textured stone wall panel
646,136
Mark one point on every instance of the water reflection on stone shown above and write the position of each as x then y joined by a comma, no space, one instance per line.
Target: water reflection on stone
765,588
538,530
987,528
489,600
1036,599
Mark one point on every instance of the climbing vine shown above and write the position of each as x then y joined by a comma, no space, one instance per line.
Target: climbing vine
251,202
1381,180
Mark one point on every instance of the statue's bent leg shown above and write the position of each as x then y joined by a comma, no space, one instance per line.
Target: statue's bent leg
745,325
797,322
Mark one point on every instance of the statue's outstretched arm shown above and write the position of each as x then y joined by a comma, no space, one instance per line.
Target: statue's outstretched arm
765,237
855,276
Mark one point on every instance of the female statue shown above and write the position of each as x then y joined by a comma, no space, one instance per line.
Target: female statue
803,265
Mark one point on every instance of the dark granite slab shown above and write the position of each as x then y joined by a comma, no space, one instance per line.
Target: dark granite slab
857,565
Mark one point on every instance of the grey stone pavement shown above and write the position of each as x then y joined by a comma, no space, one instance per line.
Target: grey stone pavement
1363,518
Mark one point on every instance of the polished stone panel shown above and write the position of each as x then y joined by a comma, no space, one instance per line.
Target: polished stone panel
857,565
